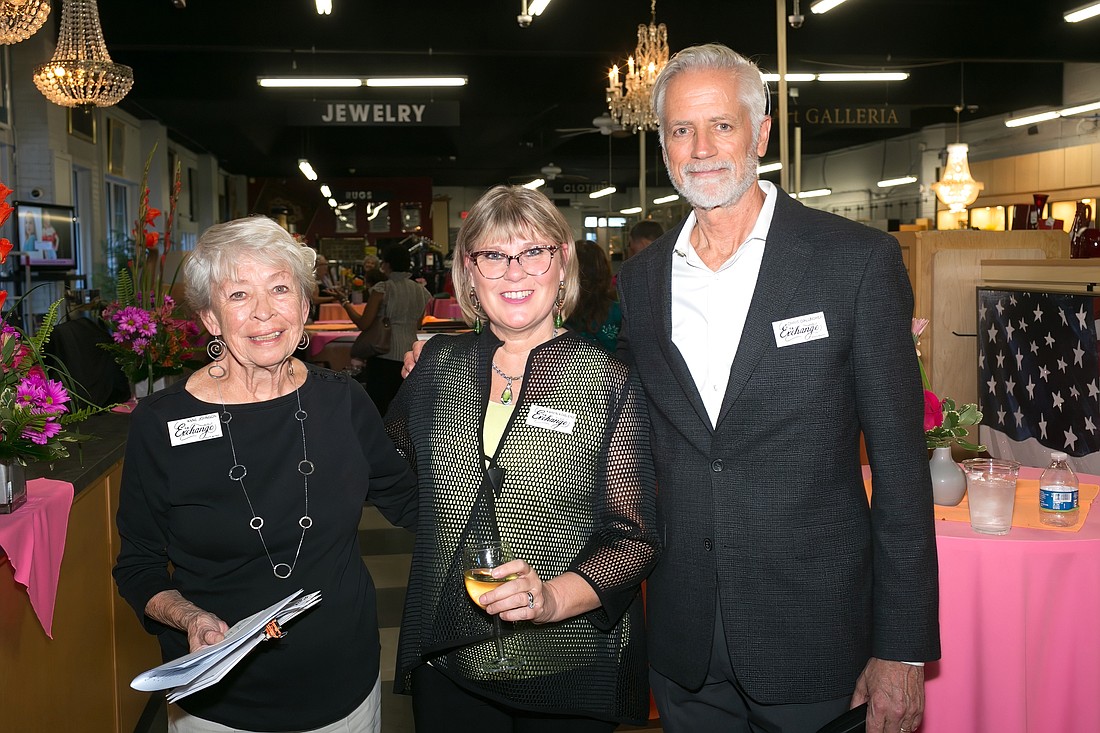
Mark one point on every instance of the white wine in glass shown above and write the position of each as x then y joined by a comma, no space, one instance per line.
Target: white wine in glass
478,561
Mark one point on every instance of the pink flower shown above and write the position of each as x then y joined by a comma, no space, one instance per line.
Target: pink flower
933,411
41,437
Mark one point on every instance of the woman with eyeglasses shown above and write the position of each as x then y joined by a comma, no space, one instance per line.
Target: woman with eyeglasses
524,433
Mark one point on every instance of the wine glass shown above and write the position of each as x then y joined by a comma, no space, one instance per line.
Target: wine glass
478,560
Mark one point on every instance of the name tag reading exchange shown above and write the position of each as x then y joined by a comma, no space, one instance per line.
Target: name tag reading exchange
800,329
550,419
195,429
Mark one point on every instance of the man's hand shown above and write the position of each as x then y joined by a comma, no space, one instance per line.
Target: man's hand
894,693
411,357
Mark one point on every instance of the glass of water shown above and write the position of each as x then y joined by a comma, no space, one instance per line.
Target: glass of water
991,493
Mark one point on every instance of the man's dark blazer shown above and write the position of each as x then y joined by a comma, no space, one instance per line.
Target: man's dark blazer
768,509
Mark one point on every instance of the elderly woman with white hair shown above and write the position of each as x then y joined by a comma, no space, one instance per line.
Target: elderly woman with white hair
245,483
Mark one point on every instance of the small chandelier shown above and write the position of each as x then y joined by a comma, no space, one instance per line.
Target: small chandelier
630,104
957,189
21,19
81,71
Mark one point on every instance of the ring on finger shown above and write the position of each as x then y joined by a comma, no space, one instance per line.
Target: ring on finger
531,601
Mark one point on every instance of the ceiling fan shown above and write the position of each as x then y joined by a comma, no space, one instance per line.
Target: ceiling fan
549,172
602,124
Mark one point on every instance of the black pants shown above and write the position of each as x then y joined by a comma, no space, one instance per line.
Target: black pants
441,705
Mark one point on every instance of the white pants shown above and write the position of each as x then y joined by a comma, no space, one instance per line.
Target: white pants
367,718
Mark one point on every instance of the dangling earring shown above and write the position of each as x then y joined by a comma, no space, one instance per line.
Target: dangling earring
215,349
478,325
559,304
304,341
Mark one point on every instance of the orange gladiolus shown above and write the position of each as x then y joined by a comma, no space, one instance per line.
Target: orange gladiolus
151,239
3,295
5,210
5,247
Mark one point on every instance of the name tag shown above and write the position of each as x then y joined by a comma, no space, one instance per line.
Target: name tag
800,329
195,429
550,419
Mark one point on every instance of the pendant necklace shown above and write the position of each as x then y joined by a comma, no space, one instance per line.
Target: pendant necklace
506,395
237,473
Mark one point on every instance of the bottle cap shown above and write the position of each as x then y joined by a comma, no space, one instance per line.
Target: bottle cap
1058,456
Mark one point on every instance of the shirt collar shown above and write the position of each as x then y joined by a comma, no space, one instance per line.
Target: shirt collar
759,231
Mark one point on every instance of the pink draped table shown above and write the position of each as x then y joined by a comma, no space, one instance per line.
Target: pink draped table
1019,630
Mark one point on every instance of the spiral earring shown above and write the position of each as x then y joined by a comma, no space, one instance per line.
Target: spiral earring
559,304
215,349
303,342
478,325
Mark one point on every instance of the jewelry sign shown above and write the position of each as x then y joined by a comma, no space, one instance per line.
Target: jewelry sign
375,114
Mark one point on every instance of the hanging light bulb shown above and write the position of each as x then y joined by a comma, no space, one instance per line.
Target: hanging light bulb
81,71
324,7
21,19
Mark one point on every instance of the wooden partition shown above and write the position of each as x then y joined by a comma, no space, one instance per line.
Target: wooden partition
78,681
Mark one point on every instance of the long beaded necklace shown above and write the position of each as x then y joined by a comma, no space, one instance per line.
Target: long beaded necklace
237,473
506,395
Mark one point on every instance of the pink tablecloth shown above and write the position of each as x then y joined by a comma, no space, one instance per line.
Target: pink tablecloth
33,537
1019,630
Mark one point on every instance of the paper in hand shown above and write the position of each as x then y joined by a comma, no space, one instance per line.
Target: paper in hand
200,669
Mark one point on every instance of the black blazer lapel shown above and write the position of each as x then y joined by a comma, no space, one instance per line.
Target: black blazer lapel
783,267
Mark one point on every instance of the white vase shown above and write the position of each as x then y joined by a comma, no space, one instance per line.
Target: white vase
948,480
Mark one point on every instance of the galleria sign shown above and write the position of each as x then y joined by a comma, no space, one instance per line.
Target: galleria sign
869,116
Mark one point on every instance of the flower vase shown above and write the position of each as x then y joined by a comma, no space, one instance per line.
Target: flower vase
13,487
948,480
357,296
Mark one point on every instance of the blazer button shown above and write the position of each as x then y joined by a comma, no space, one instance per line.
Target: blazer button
716,465
708,545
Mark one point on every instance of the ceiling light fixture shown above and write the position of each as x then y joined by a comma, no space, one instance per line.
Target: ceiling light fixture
374,210
630,104
631,210
307,169
416,81
1052,114
865,76
1082,13
824,6
332,203
81,71
815,193
666,199
324,7
277,82
769,168
770,78
602,192
956,188
538,6
346,205
21,20
535,183
325,190
887,183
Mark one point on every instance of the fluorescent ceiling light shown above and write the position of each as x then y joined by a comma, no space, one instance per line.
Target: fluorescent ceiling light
538,6
324,7
666,199
326,191
307,169
332,203
896,181
290,82
631,210
1052,114
535,183
790,77
815,193
417,81
865,76
346,205
824,6
602,192
769,168
1082,13
376,210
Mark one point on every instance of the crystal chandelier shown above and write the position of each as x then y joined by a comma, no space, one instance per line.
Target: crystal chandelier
21,19
81,71
630,103
957,189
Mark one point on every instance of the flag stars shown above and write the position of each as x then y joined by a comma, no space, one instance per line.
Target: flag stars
1081,318
1049,339
1079,356
1030,388
1062,315
1071,439
1000,308
1044,373
1042,428
1074,392
1009,330
992,334
1019,417
1038,313
1000,360
1001,417
1012,300
1089,425
1019,360
1034,348
1058,400
1023,325
1093,389
1010,385
1061,364
992,384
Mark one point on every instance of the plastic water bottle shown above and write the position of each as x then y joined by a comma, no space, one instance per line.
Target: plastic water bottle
1058,493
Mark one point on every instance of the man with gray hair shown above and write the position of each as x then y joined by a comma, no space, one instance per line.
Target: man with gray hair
768,336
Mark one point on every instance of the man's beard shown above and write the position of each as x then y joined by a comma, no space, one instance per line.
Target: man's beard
725,192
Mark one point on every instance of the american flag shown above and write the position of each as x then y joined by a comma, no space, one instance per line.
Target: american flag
1039,374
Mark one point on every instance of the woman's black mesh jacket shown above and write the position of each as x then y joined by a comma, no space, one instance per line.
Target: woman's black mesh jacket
580,501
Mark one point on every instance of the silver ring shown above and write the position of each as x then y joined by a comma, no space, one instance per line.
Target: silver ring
530,599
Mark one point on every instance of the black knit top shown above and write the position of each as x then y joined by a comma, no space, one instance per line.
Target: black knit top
180,509
575,499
